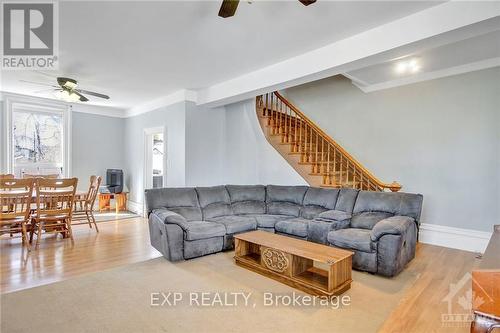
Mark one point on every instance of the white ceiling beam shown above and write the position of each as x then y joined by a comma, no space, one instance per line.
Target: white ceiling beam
340,56
174,98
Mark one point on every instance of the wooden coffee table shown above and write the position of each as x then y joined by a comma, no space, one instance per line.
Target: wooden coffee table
314,268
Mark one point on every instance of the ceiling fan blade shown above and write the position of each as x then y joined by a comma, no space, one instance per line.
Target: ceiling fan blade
92,93
228,8
45,90
82,98
46,74
40,84
307,2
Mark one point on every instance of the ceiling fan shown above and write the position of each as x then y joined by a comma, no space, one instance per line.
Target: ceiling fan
67,90
228,7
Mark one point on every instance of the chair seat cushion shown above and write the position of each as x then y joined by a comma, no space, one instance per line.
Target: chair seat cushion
194,230
268,220
234,224
295,226
351,238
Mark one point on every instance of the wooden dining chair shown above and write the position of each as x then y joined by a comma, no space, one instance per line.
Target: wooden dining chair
15,206
50,176
86,202
54,207
7,176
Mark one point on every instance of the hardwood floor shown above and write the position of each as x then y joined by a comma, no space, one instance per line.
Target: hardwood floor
118,243
127,241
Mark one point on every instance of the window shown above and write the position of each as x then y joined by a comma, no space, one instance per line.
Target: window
37,137
38,143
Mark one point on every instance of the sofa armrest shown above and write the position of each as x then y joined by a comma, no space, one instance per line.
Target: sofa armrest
166,237
395,225
333,215
169,217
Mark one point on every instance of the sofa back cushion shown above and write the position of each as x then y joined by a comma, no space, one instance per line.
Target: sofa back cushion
318,200
346,200
367,220
214,201
183,201
285,200
371,206
247,199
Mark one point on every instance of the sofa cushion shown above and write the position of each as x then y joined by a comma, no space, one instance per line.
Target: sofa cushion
323,197
189,213
310,212
292,194
235,224
194,230
267,220
318,229
334,215
318,200
183,201
403,204
283,208
284,200
367,220
296,227
249,207
214,201
247,199
351,238
346,200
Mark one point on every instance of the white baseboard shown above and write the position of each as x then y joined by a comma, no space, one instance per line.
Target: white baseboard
456,238
135,207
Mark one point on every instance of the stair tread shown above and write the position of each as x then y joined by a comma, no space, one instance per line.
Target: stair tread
276,120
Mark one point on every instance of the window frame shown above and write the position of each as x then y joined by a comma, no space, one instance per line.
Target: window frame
30,104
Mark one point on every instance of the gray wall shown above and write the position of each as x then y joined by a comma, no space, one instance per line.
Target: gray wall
439,138
172,118
205,145
250,159
96,145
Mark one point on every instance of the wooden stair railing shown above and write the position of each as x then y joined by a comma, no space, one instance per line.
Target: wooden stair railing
313,147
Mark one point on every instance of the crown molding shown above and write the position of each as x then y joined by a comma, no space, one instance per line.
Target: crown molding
75,107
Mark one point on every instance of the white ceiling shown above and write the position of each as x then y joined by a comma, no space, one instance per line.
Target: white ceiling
478,52
139,51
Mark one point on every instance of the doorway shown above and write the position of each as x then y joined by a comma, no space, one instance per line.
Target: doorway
155,158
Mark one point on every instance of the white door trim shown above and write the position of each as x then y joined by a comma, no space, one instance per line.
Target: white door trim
146,167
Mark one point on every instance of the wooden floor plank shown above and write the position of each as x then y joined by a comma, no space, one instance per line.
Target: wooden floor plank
123,242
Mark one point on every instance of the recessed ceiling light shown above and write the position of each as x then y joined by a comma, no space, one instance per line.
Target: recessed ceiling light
408,66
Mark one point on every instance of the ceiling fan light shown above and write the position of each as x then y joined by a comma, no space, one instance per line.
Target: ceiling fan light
72,97
67,96
70,85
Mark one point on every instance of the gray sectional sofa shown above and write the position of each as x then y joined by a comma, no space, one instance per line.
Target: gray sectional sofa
379,227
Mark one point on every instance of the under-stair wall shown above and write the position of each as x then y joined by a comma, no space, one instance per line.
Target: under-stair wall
440,138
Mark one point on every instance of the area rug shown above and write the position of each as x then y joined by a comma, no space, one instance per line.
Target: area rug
199,295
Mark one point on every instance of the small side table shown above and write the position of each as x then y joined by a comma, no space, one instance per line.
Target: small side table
105,201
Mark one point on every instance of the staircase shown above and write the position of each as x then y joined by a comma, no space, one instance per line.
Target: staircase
320,160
